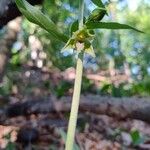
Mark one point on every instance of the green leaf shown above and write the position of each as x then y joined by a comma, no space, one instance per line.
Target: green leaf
96,15
98,3
74,27
89,48
36,16
109,25
90,51
69,45
136,137
64,137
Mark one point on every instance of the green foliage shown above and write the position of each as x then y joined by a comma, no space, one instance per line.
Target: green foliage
136,137
142,87
97,15
5,88
62,88
87,85
64,137
36,16
109,25
81,40
99,3
74,27
126,42
61,19
82,123
136,46
116,91
10,145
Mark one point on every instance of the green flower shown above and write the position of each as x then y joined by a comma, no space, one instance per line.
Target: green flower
81,40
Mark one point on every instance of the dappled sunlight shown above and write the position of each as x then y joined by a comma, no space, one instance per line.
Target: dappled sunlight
39,53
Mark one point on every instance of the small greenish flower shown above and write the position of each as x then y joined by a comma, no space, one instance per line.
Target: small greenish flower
81,40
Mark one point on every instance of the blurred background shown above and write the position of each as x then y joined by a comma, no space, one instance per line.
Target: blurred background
122,60
32,66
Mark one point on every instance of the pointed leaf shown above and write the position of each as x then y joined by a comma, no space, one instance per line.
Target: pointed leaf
36,16
98,3
74,27
64,137
90,51
109,25
96,15
69,45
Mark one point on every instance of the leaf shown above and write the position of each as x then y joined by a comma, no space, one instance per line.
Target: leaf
109,25
98,3
90,51
69,45
136,137
37,17
74,27
96,15
89,48
64,137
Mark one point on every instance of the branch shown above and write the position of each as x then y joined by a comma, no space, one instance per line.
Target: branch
9,10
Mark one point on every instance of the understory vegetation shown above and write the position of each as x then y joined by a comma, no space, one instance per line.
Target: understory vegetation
42,55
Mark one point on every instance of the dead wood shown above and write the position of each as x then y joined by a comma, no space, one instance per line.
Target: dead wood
120,108
9,10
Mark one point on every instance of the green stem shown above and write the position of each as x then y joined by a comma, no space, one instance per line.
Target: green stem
75,105
81,13
77,90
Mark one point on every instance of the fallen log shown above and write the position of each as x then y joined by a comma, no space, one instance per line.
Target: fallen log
120,108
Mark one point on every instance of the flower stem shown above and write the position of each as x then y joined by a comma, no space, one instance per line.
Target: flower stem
77,90
81,13
75,105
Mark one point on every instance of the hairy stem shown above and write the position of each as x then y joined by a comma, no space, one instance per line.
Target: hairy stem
77,90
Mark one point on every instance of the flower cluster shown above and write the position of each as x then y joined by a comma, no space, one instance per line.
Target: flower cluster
81,40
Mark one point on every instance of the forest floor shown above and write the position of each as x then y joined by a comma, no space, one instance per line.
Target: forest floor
47,131
95,132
